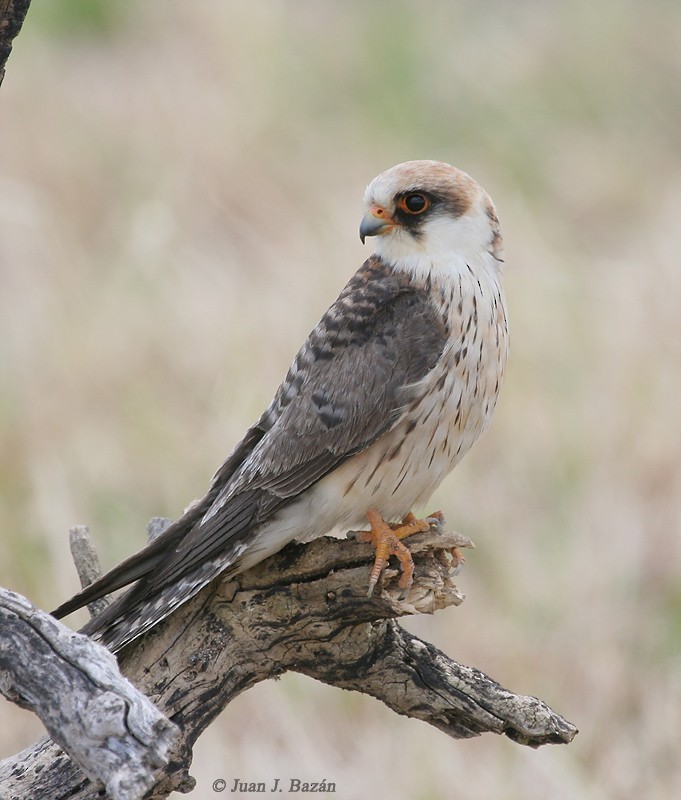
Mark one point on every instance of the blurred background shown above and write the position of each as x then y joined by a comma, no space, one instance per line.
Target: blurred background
180,192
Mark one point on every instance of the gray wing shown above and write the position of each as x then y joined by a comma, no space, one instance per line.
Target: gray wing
345,388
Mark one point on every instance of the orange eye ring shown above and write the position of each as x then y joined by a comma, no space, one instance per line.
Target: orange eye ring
414,203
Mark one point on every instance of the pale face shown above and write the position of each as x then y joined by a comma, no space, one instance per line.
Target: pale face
430,216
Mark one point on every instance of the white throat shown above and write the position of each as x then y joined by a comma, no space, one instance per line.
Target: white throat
446,246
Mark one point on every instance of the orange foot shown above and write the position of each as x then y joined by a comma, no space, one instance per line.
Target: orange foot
386,539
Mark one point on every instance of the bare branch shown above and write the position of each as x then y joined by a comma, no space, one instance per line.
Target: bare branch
305,609
417,680
12,13
116,735
87,564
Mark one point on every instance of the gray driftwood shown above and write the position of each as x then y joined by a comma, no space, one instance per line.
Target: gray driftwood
116,734
306,610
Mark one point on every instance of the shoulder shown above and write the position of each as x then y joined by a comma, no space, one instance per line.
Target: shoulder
382,323
373,298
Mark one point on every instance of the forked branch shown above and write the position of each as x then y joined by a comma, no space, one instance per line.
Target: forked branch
305,609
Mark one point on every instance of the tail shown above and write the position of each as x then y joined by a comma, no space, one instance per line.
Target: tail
182,560
117,624
127,572
174,567
136,566
133,613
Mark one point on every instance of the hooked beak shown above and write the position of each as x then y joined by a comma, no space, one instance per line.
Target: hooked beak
375,222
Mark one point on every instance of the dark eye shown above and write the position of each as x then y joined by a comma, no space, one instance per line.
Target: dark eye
414,203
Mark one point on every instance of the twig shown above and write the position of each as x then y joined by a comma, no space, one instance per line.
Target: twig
87,564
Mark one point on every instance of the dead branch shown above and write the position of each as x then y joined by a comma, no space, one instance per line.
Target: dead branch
116,734
12,13
87,564
306,610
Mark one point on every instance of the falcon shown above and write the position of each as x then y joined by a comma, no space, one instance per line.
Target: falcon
387,394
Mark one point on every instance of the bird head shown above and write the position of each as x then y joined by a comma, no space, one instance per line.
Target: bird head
427,214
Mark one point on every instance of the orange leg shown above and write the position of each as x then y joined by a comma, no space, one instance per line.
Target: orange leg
457,559
386,539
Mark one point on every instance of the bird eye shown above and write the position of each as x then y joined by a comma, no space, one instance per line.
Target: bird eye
414,203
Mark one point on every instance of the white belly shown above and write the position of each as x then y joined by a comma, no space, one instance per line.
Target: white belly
445,414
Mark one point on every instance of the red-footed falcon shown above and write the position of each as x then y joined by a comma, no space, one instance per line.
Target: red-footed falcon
388,393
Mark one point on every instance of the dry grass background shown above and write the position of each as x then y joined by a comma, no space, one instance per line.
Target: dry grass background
180,189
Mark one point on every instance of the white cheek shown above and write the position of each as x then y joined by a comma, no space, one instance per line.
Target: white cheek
445,245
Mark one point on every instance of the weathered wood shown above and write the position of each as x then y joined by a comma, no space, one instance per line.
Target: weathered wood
87,564
156,526
305,609
116,735
12,13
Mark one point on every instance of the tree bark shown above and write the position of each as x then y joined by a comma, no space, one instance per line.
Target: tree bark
304,609
12,13
115,733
